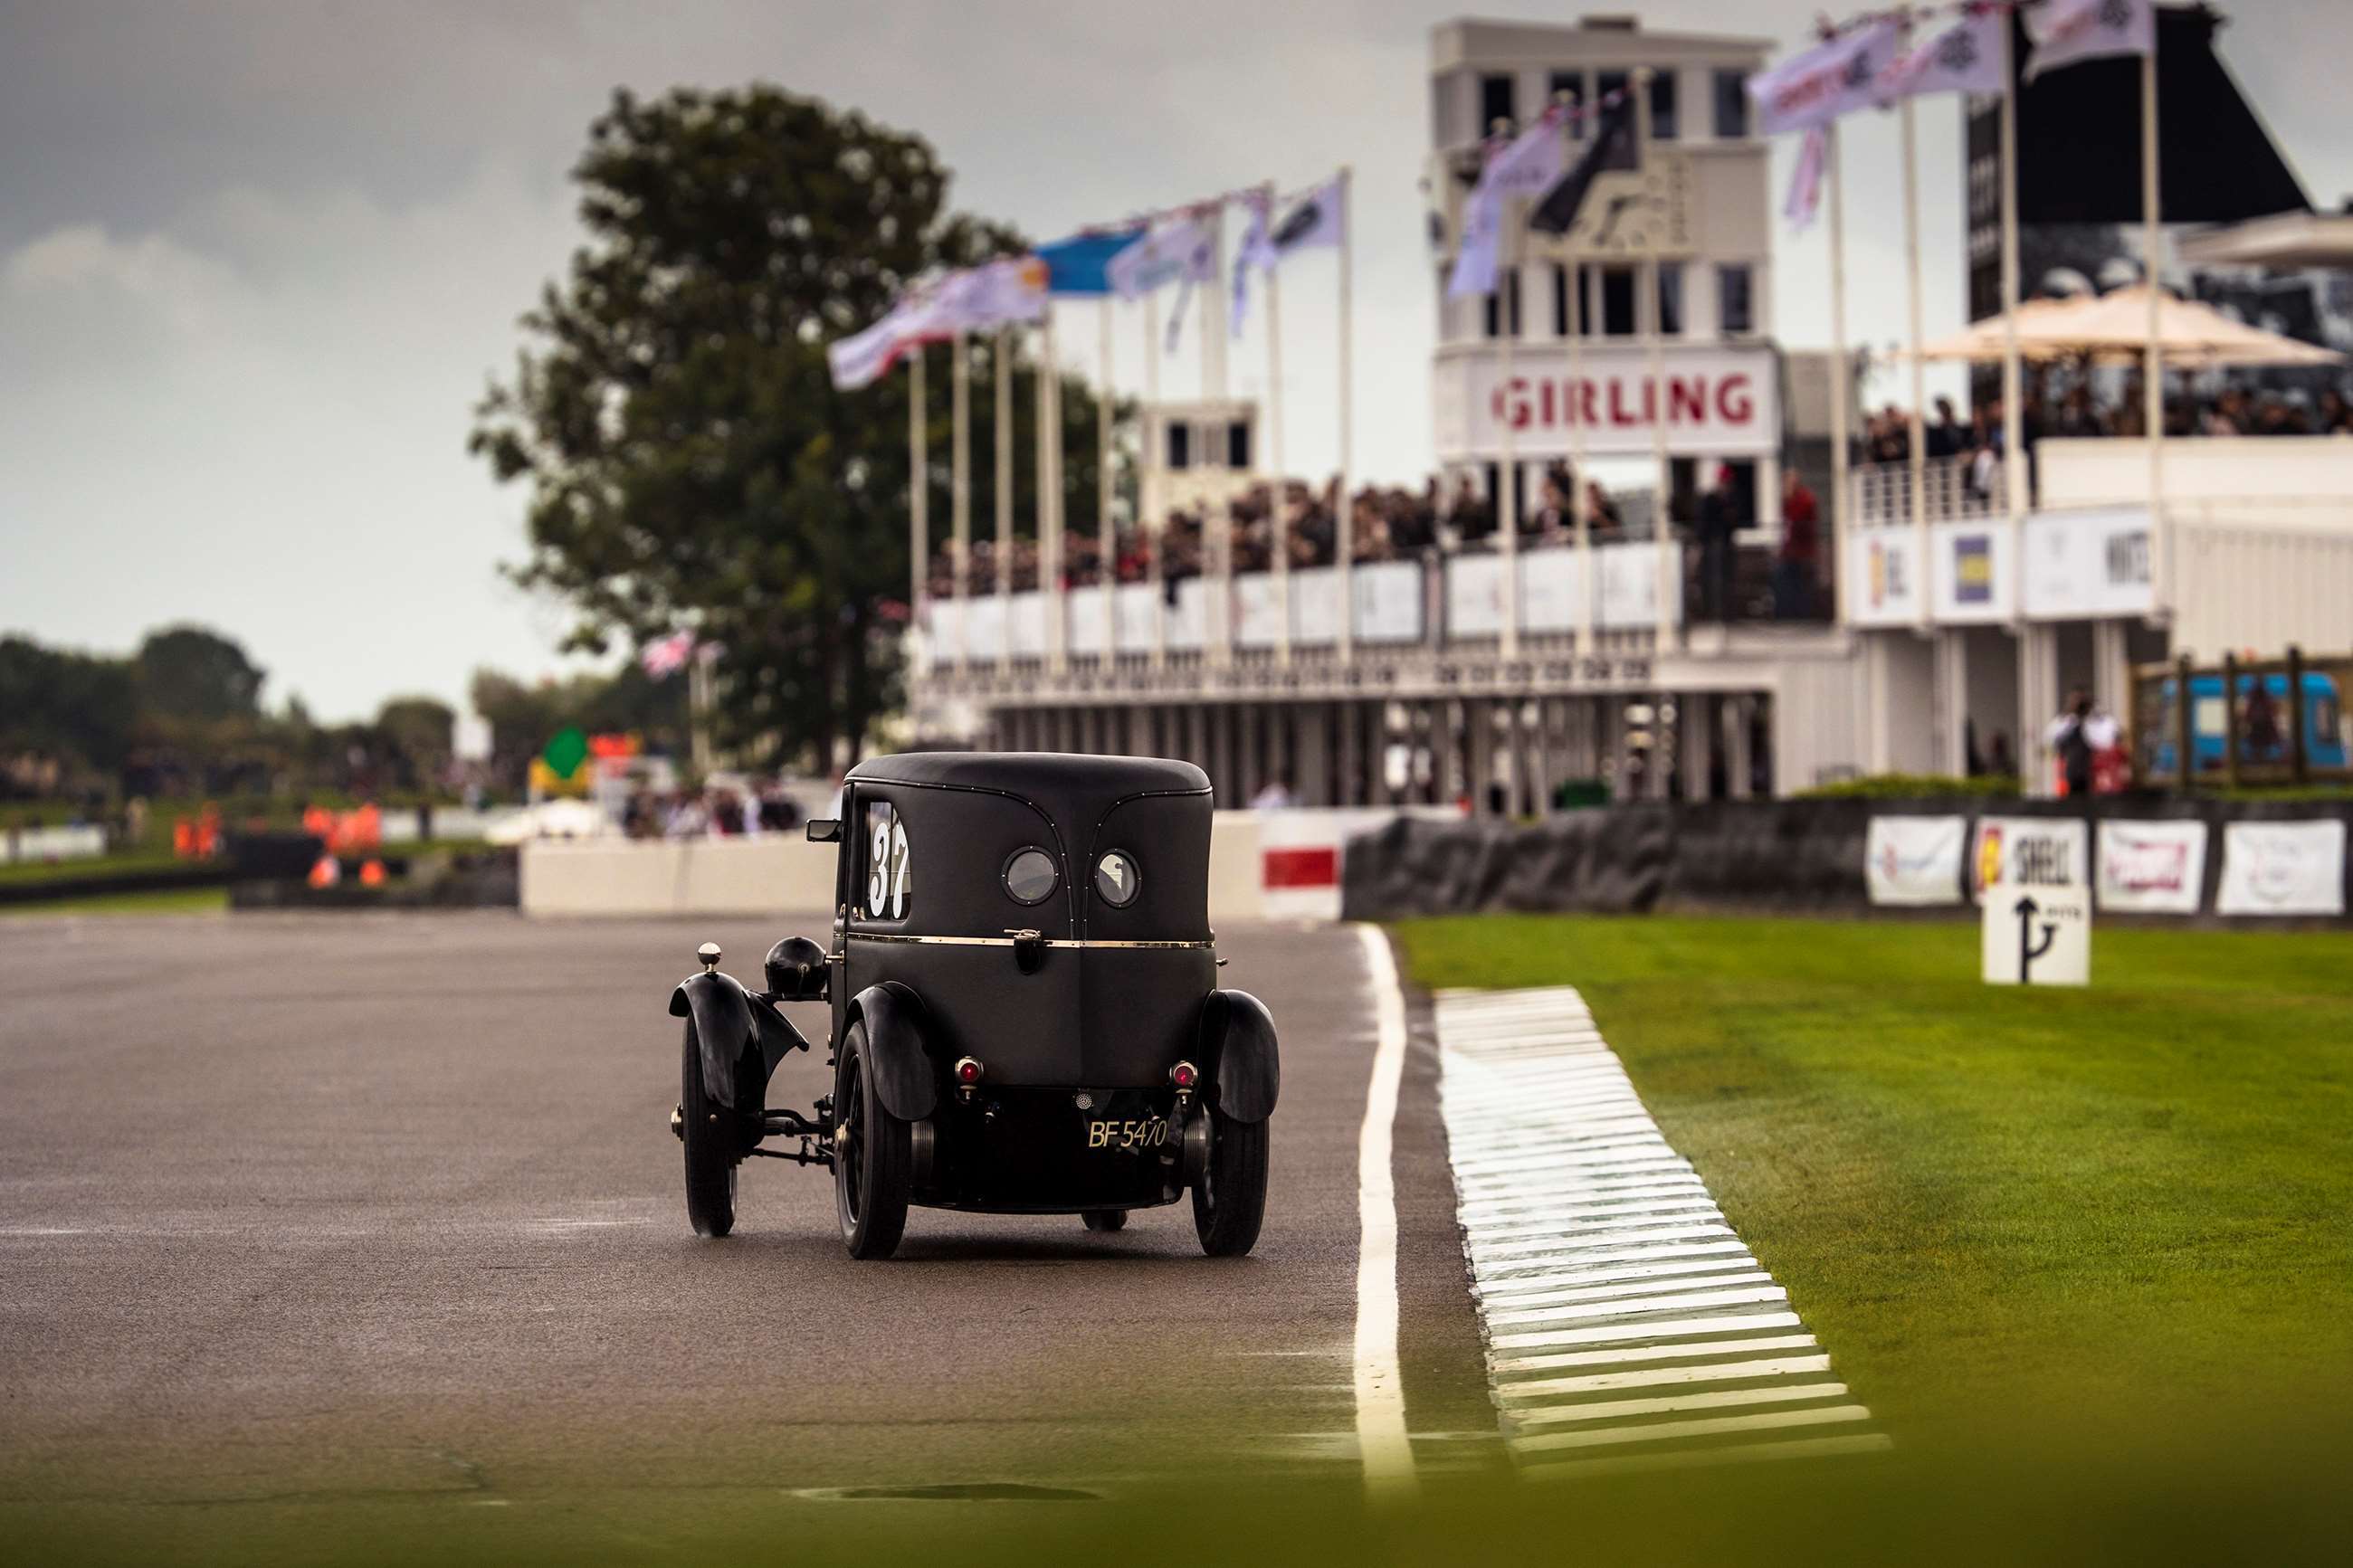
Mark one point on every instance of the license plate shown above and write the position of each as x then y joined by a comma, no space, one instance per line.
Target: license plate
1142,1132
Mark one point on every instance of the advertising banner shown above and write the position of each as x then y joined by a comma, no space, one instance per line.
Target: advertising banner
1132,608
947,626
1885,576
1971,577
2282,869
2152,868
1188,620
1910,861
1028,616
1389,601
1550,584
1629,587
1718,401
1315,605
2031,852
1089,624
2087,564
1258,610
1475,595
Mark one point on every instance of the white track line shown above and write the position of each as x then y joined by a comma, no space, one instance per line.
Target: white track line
1382,1443
1628,1327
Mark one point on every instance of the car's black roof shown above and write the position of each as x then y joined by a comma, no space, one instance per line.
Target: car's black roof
1038,775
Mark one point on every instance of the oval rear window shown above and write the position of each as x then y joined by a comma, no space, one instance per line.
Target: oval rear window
1030,875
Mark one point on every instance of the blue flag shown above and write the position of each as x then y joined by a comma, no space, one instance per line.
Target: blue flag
1076,265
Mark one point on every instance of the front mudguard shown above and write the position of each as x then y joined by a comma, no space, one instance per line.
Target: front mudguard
899,1055
733,1026
1238,1055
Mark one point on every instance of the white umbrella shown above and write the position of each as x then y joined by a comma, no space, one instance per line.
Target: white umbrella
2116,326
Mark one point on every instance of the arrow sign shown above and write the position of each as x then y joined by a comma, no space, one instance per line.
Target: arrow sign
2027,948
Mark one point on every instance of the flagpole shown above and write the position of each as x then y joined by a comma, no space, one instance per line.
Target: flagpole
2153,246
960,488
1219,627
1107,538
1670,560
2013,390
918,516
1918,455
1574,260
1344,526
1514,220
1049,494
1151,460
1001,412
1841,372
1279,522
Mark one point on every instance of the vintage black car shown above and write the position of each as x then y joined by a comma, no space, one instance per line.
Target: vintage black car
1026,1015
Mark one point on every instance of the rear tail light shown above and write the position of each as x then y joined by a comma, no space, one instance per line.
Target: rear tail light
967,1071
1184,1074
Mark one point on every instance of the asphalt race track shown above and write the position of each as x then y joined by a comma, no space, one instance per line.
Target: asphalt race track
301,1211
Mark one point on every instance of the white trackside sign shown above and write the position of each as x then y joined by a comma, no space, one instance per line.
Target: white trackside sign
2037,934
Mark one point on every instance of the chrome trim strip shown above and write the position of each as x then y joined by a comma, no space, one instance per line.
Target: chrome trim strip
1007,942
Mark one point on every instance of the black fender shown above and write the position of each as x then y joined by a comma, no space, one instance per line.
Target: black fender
723,1030
898,1054
1239,1058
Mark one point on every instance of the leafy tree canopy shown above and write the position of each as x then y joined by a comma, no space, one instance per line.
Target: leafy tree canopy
688,460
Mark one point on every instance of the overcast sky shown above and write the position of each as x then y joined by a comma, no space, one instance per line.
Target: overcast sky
256,259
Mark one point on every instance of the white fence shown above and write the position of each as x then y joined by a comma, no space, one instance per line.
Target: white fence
36,845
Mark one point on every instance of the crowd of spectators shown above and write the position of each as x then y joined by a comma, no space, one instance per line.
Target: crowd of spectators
720,810
1390,522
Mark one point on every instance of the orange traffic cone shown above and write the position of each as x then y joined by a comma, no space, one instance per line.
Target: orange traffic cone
326,873
371,873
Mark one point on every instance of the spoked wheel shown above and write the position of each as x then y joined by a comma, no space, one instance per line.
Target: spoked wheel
873,1157
706,1128
1229,1200
1105,1219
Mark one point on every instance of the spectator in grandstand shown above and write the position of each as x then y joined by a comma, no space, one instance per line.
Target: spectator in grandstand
2077,736
1796,560
1715,525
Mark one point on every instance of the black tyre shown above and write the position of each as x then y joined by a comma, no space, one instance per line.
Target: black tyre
1229,1200
1105,1219
707,1129
873,1157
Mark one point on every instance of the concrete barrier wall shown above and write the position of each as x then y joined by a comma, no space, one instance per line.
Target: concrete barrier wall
780,873
676,875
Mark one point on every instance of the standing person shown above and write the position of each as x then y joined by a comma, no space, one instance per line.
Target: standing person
2076,737
1716,526
1797,562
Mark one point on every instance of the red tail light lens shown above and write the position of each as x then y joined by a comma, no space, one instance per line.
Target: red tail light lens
967,1071
1183,1074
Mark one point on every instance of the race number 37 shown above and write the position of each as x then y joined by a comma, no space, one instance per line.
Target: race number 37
888,871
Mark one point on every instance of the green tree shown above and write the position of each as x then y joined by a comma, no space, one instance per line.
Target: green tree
420,733
189,673
69,714
689,461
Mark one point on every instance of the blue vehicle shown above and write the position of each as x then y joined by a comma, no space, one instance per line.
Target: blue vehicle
2263,739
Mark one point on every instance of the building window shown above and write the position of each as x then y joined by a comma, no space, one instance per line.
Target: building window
1671,299
1618,319
1608,82
1569,87
1180,446
1496,100
1507,289
1735,307
1238,446
1731,105
1663,106
1560,301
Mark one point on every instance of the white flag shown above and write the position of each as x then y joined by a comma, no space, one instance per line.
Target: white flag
1179,250
866,357
2066,31
1008,293
1833,78
1806,183
1964,57
1526,168
1316,219
1257,250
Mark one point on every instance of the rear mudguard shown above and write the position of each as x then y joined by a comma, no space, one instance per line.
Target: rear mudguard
1238,1059
731,1024
898,1049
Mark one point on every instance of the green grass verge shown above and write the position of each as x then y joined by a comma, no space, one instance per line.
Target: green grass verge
2000,1207
161,902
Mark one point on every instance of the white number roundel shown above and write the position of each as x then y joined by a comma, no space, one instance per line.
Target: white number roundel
888,871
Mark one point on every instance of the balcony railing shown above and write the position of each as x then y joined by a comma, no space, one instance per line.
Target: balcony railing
1612,589
1955,487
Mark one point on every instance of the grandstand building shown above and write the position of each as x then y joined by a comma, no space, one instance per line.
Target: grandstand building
1588,656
